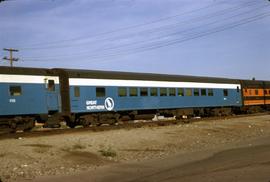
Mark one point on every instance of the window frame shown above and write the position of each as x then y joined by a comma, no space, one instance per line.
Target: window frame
225,92
98,95
196,92
256,92
189,92
210,92
13,90
154,94
131,93
51,85
77,91
163,94
205,92
144,91
120,93
173,93
182,92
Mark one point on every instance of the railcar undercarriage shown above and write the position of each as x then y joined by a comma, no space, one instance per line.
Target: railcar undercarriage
97,119
13,124
26,123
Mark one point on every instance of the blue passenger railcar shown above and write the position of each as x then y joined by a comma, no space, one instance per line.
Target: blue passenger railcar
27,92
93,95
98,92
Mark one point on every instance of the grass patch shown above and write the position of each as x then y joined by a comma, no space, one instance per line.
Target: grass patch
109,152
2,155
78,146
74,147
41,150
143,150
38,145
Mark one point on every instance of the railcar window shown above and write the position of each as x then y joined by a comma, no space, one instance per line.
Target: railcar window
51,85
144,91
256,92
268,91
15,90
180,91
246,90
154,92
172,92
188,92
163,91
196,92
225,92
77,91
203,92
122,92
133,92
265,92
100,92
250,92
210,92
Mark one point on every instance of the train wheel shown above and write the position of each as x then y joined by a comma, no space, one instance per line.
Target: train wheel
30,124
13,127
85,123
71,124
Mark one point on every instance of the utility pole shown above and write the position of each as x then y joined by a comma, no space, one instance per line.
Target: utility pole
11,59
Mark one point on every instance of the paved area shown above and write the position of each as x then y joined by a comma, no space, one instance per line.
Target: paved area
251,163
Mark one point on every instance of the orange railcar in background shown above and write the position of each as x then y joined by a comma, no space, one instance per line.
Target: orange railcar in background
255,93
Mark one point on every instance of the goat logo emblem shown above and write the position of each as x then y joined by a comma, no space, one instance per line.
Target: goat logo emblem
109,104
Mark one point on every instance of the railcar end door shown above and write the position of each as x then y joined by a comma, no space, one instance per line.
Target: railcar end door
51,94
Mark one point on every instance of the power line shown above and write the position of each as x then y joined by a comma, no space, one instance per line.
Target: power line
155,40
178,41
188,31
120,29
160,29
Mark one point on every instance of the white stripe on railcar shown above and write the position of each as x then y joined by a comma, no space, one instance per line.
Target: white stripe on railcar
6,78
142,83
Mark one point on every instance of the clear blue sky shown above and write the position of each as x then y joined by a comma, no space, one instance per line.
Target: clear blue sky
218,38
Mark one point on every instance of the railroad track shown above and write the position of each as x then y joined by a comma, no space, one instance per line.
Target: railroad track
127,125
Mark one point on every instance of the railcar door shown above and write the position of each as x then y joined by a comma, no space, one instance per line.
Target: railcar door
238,95
51,94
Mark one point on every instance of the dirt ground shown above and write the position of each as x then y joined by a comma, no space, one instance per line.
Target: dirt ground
68,154
248,163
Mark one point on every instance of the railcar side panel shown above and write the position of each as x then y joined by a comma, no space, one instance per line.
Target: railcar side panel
100,98
28,95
